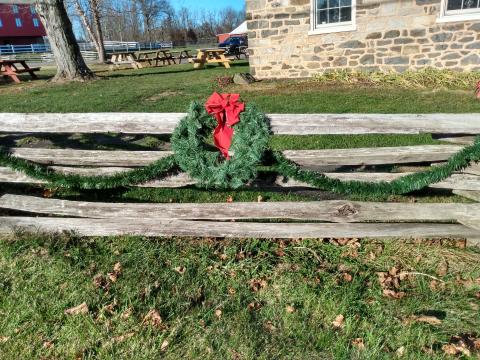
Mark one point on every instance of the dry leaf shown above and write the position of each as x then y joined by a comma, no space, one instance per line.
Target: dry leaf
218,313
4,339
164,345
347,277
451,349
153,318
338,322
126,314
257,284
442,269
80,309
123,337
254,306
393,294
400,351
259,198
290,309
477,295
230,199
358,343
99,281
180,269
269,326
47,344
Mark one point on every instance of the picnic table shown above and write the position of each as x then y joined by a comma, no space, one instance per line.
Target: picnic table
126,57
210,56
183,54
10,68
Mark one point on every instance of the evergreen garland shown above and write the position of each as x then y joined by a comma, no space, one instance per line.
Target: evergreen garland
205,163
402,185
157,169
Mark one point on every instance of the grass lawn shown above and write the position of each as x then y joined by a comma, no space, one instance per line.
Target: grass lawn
171,89
65,297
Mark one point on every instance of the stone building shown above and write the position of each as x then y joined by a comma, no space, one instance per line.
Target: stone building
300,38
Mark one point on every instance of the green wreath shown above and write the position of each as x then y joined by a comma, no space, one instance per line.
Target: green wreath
205,163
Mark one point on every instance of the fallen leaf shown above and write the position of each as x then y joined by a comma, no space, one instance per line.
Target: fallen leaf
358,343
338,322
451,349
231,291
123,337
47,344
393,294
269,326
257,284
126,314
230,199
254,306
259,198
99,281
477,295
223,257
80,309
153,318
180,269
400,351
164,345
4,339
347,277
218,313
290,309
442,269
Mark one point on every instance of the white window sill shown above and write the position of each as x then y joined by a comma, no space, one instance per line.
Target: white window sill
458,17
332,29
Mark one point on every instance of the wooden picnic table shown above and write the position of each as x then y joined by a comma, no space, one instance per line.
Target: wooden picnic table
210,56
182,54
9,68
126,57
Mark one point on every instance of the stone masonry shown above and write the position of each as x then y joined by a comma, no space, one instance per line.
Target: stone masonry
391,35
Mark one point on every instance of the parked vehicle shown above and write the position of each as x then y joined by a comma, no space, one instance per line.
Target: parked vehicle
235,45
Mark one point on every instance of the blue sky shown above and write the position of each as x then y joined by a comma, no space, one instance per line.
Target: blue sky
209,4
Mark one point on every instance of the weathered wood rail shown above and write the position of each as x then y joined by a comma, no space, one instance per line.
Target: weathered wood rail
338,218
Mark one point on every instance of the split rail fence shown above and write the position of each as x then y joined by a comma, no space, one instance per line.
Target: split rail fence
316,219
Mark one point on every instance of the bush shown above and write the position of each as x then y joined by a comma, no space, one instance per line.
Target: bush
410,79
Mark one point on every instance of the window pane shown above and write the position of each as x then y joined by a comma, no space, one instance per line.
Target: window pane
346,14
454,4
1,23
333,15
345,3
469,4
322,17
321,4
333,3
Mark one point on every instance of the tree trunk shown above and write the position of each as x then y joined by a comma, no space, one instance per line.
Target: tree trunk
97,36
102,55
70,63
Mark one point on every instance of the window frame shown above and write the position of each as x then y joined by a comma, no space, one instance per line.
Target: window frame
36,22
15,9
1,23
334,27
457,15
18,22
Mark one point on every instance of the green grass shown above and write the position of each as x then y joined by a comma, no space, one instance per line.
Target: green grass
277,299
171,89
295,291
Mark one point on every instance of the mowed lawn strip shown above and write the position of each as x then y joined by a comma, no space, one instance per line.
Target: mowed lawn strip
172,88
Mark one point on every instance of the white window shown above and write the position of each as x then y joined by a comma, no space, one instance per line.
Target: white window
36,23
459,10
15,9
332,16
18,22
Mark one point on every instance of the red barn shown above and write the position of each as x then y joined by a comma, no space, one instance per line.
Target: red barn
20,25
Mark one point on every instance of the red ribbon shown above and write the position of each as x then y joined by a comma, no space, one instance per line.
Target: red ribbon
226,108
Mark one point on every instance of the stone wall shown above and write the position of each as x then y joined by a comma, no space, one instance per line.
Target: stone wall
390,35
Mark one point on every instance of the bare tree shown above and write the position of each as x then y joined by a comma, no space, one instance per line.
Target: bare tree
151,11
70,63
93,25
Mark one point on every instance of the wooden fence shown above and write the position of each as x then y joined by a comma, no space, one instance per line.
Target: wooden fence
321,219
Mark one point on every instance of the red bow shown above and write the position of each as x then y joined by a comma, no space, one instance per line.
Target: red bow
226,108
